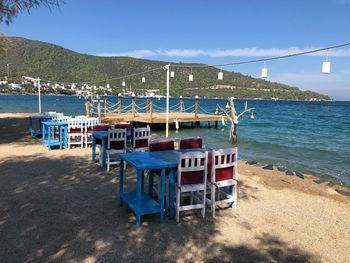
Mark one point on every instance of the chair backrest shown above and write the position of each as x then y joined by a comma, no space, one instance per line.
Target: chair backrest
56,116
117,139
100,127
191,143
162,145
64,118
75,125
90,123
192,168
140,138
224,164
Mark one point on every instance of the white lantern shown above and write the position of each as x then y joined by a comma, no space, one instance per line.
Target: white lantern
220,75
326,67
172,74
143,79
123,83
264,73
190,77
223,121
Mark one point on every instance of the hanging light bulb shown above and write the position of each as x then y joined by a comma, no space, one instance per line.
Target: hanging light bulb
172,74
220,75
264,72
326,66
123,83
190,77
108,86
143,79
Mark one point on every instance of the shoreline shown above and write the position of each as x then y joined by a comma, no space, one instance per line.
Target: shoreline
320,180
174,97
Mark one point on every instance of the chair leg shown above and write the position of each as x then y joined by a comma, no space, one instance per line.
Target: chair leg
234,193
204,201
191,198
213,200
108,162
177,206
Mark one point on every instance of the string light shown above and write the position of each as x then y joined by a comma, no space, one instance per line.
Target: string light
190,77
143,79
220,75
123,83
264,72
172,74
326,65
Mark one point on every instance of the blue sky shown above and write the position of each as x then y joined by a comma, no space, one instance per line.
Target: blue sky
210,32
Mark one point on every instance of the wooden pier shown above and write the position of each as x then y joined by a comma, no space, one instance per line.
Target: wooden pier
160,117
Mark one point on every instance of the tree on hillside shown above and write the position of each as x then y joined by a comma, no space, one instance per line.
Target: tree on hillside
10,8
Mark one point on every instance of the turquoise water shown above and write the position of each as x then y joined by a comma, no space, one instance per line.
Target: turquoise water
310,137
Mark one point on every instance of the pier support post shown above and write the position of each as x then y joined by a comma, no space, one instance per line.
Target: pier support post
147,105
105,105
151,109
181,105
196,108
119,103
133,106
99,108
87,108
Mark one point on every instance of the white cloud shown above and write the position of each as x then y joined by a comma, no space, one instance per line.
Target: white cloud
238,52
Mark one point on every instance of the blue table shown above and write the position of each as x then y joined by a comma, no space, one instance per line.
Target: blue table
35,124
101,135
142,203
59,134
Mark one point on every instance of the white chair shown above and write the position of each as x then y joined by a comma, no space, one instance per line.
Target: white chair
64,118
56,116
140,139
223,177
89,123
191,181
75,132
116,144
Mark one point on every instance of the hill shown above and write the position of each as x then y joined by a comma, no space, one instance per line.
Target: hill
54,63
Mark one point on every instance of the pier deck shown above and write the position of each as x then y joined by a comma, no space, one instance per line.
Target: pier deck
160,117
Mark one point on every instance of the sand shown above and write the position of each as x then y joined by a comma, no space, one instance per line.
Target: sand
57,206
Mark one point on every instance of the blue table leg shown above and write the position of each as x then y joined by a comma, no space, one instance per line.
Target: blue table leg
43,137
171,193
150,182
31,126
104,149
60,138
94,149
121,182
139,197
162,193
142,182
49,139
66,136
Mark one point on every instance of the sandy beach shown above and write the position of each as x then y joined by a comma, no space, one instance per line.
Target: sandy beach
57,206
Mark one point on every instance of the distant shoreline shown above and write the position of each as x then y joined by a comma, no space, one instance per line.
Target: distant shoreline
171,97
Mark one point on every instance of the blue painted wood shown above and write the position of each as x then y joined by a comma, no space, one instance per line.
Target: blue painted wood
121,182
35,124
93,149
103,136
147,205
59,138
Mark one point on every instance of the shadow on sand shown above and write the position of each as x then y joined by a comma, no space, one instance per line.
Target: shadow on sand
67,209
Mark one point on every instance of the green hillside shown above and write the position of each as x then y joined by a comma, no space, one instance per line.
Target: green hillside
57,64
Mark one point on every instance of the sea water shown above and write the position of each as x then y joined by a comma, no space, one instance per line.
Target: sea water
310,137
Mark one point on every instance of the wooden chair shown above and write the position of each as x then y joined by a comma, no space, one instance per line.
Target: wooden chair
99,127
140,139
75,132
89,123
156,146
116,144
223,176
191,143
191,181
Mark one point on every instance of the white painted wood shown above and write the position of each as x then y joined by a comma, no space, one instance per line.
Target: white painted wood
221,159
115,135
141,134
191,162
76,137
